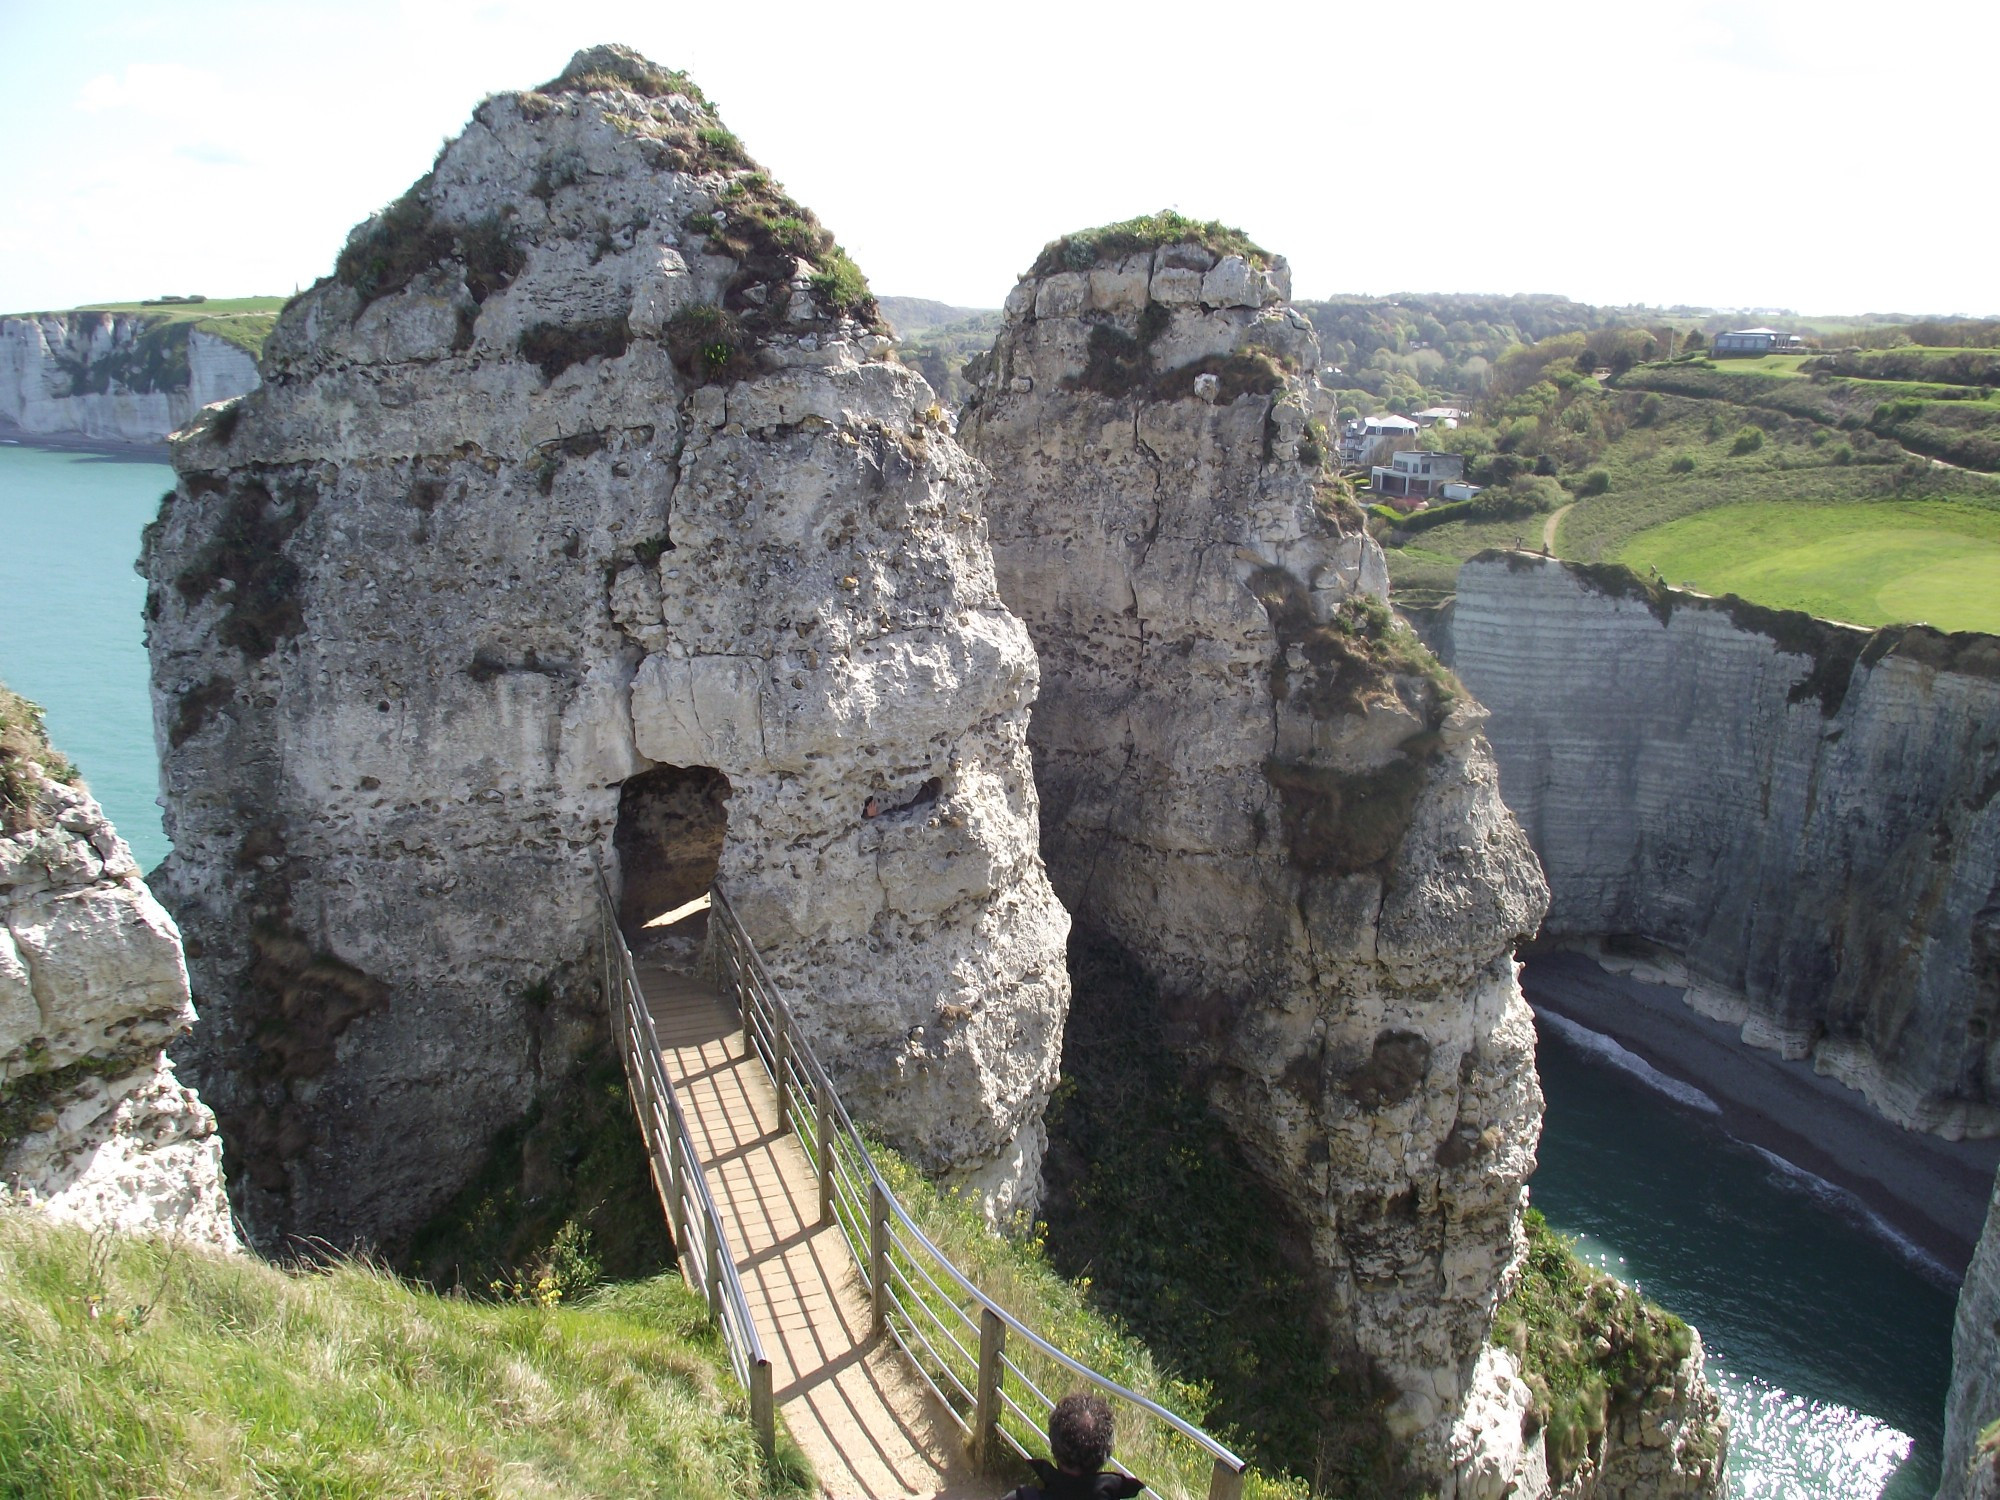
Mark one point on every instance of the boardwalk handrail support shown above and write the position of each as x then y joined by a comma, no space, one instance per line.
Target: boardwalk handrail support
877,1227
705,1259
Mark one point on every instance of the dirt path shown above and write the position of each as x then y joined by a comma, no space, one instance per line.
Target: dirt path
1549,526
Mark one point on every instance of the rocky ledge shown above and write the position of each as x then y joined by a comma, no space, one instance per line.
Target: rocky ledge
94,1126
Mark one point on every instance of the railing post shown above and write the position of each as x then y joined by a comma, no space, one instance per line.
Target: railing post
825,1112
986,1396
878,1256
781,1056
1225,1483
714,1274
762,1408
677,1208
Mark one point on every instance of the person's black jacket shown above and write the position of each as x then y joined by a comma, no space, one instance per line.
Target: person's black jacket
1053,1484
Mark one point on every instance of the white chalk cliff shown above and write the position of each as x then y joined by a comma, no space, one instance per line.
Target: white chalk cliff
590,460
117,377
94,1126
1256,782
1804,813
1970,1470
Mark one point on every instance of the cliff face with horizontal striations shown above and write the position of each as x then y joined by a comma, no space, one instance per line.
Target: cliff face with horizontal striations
1804,813
588,463
1256,782
117,377
94,1126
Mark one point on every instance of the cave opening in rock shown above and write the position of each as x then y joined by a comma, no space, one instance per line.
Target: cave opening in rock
672,821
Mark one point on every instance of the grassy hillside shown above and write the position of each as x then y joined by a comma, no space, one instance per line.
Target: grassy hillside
128,1367
1850,496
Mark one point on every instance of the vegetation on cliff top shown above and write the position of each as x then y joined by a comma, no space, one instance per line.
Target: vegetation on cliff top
1808,499
1589,1346
1085,248
25,756
136,1367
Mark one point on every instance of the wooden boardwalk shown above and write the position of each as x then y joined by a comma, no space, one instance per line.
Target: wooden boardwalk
853,1404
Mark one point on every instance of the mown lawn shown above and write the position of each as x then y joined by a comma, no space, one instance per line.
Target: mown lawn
1869,562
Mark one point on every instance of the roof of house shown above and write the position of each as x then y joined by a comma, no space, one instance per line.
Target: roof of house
1389,419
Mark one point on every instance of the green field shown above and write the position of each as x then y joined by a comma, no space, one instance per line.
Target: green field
1868,562
1763,364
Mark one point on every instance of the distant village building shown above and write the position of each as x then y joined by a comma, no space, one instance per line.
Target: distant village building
1420,476
1440,416
1359,437
1756,341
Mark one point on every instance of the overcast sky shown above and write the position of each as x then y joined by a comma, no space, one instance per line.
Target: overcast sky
1811,155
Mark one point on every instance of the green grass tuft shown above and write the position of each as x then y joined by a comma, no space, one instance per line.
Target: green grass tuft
132,1367
25,756
1088,247
1588,1345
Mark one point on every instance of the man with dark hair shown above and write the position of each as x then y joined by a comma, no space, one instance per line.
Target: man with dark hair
1080,1436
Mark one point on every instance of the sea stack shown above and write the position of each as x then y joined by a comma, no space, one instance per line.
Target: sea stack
583,497
1260,785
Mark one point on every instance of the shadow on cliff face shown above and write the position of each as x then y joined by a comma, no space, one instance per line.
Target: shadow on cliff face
1152,1206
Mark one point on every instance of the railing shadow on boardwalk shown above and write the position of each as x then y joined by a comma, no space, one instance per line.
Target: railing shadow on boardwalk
847,1328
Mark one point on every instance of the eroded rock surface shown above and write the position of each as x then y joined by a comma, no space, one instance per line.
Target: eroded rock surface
94,1126
590,459
1805,814
1968,1473
1257,782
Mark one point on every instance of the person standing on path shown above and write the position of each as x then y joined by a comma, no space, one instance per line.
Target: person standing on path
1080,1437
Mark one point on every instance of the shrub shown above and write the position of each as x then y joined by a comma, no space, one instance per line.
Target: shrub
1682,465
1596,482
1588,1345
24,750
1087,247
554,347
1748,440
839,285
1843,454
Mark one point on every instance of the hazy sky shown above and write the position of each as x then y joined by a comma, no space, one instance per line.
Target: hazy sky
1815,156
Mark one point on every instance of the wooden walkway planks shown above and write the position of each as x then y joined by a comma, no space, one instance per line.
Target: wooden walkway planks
854,1406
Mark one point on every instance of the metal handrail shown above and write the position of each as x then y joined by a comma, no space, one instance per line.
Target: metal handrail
769,1026
678,1176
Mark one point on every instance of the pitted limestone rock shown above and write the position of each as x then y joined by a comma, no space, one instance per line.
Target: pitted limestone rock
590,459
94,1126
1256,782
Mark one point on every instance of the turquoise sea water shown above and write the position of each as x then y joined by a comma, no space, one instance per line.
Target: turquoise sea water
70,627
1832,1352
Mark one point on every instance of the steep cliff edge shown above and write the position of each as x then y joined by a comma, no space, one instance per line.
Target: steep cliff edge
94,1126
114,376
1259,785
585,481
1805,813
1971,1464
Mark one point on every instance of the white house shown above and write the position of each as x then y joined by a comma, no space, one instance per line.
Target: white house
1756,341
1359,437
1416,474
